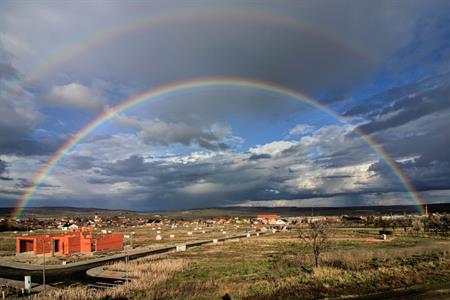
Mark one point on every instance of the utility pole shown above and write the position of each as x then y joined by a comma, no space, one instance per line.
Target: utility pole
43,268
126,262
126,268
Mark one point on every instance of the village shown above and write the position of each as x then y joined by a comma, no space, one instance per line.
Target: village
66,237
72,239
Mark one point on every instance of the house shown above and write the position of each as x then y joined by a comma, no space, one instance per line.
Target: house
268,219
281,222
78,240
154,222
67,227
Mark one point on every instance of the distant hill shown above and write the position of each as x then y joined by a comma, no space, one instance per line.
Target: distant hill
55,212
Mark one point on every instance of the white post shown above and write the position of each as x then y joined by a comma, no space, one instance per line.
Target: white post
181,247
28,284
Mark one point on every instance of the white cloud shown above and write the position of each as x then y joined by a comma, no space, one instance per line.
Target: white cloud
78,96
272,148
216,137
301,129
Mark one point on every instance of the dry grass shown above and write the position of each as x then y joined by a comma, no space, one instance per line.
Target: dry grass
147,273
280,267
357,259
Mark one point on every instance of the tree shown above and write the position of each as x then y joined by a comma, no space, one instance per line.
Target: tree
418,226
370,220
316,236
406,222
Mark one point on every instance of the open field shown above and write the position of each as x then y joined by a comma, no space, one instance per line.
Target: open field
139,237
280,266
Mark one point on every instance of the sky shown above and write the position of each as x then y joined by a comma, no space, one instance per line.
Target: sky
383,67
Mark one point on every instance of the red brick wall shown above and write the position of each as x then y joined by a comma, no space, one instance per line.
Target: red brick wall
73,244
110,241
85,243
42,243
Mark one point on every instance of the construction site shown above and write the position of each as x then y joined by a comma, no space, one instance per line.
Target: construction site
80,240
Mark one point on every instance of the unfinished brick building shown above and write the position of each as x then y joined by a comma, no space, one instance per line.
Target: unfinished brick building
76,241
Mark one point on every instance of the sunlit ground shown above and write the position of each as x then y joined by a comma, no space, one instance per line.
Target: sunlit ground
281,266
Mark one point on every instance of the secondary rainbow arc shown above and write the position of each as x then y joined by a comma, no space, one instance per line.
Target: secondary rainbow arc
197,84
169,17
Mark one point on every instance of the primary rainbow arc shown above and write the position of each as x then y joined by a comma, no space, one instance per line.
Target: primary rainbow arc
197,84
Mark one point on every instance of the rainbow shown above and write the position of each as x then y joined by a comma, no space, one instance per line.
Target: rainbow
154,20
199,84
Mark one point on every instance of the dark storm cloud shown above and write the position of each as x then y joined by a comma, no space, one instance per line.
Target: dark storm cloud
7,71
19,114
3,170
203,107
413,124
424,177
222,48
336,176
132,166
297,172
80,162
338,148
430,169
24,183
159,171
27,146
414,102
3,166
259,156
326,57
372,106
232,177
